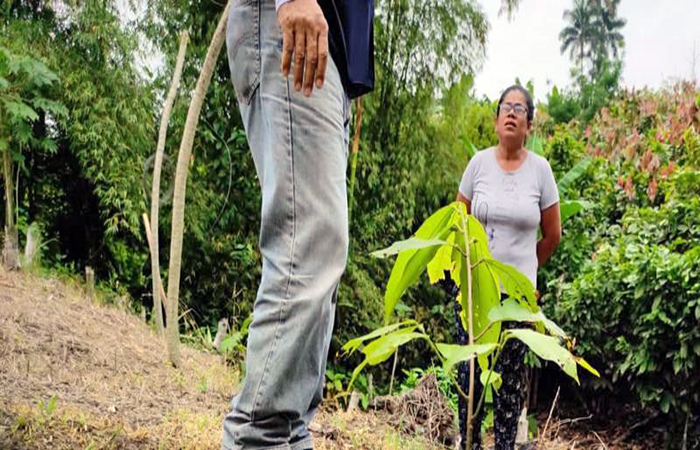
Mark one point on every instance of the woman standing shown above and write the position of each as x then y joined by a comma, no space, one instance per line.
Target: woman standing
512,192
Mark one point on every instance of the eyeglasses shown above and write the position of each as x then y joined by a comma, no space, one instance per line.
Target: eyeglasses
518,109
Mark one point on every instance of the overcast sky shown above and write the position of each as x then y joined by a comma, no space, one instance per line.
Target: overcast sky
660,36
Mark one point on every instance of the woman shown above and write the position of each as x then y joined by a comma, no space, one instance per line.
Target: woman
512,192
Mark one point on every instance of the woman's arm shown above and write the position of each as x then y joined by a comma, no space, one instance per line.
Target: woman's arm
465,200
550,224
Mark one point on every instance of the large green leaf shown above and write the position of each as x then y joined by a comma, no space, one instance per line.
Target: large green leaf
583,363
4,83
515,283
569,208
547,347
573,174
354,344
442,261
411,263
454,354
513,311
381,349
490,377
408,244
485,286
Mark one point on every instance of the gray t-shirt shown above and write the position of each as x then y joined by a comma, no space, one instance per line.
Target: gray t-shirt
508,205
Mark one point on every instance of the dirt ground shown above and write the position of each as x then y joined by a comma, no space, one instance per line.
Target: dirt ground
75,373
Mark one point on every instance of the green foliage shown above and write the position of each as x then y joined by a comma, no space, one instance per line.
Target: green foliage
636,306
586,97
624,279
463,253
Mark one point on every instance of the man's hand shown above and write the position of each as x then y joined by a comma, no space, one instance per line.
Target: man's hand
305,38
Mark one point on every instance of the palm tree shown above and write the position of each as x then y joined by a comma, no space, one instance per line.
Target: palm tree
578,36
608,27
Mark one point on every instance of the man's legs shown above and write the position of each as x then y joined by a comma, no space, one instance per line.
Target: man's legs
299,148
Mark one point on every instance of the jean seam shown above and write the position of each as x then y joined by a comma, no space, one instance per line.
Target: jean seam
293,193
281,317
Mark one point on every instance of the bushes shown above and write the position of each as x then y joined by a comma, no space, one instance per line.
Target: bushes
635,307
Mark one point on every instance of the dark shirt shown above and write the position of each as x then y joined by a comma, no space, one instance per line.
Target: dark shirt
351,42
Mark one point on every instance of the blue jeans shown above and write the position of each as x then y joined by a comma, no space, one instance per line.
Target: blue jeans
299,147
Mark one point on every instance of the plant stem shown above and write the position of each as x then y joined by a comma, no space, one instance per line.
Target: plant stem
11,244
183,161
488,379
470,320
155,189
355,152
393,371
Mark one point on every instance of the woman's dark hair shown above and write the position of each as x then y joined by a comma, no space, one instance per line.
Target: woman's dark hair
528,99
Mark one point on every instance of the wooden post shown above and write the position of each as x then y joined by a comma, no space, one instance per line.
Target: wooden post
90,281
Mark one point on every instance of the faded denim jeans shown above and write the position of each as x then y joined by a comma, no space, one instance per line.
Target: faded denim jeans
299,147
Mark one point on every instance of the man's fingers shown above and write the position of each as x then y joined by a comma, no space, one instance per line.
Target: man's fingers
311,61
299,55
322,57
287,50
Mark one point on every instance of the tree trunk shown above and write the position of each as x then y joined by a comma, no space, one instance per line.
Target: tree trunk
181,184
155,193
10,251
355,152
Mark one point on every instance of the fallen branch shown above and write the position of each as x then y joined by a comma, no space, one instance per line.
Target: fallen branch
546,425
570,421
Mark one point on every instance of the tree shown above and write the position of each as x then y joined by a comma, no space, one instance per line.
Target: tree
608,39
593,33
578,36
23,96
183,161
155,191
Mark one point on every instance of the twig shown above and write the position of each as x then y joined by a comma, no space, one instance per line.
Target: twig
578,419
685,432
393,371
483,332
605,447
551,411
149,239
634,427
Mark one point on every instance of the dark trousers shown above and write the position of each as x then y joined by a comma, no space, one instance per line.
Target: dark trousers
507,401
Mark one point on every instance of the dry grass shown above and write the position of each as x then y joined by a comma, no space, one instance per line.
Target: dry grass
114,388
105,368
362,431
